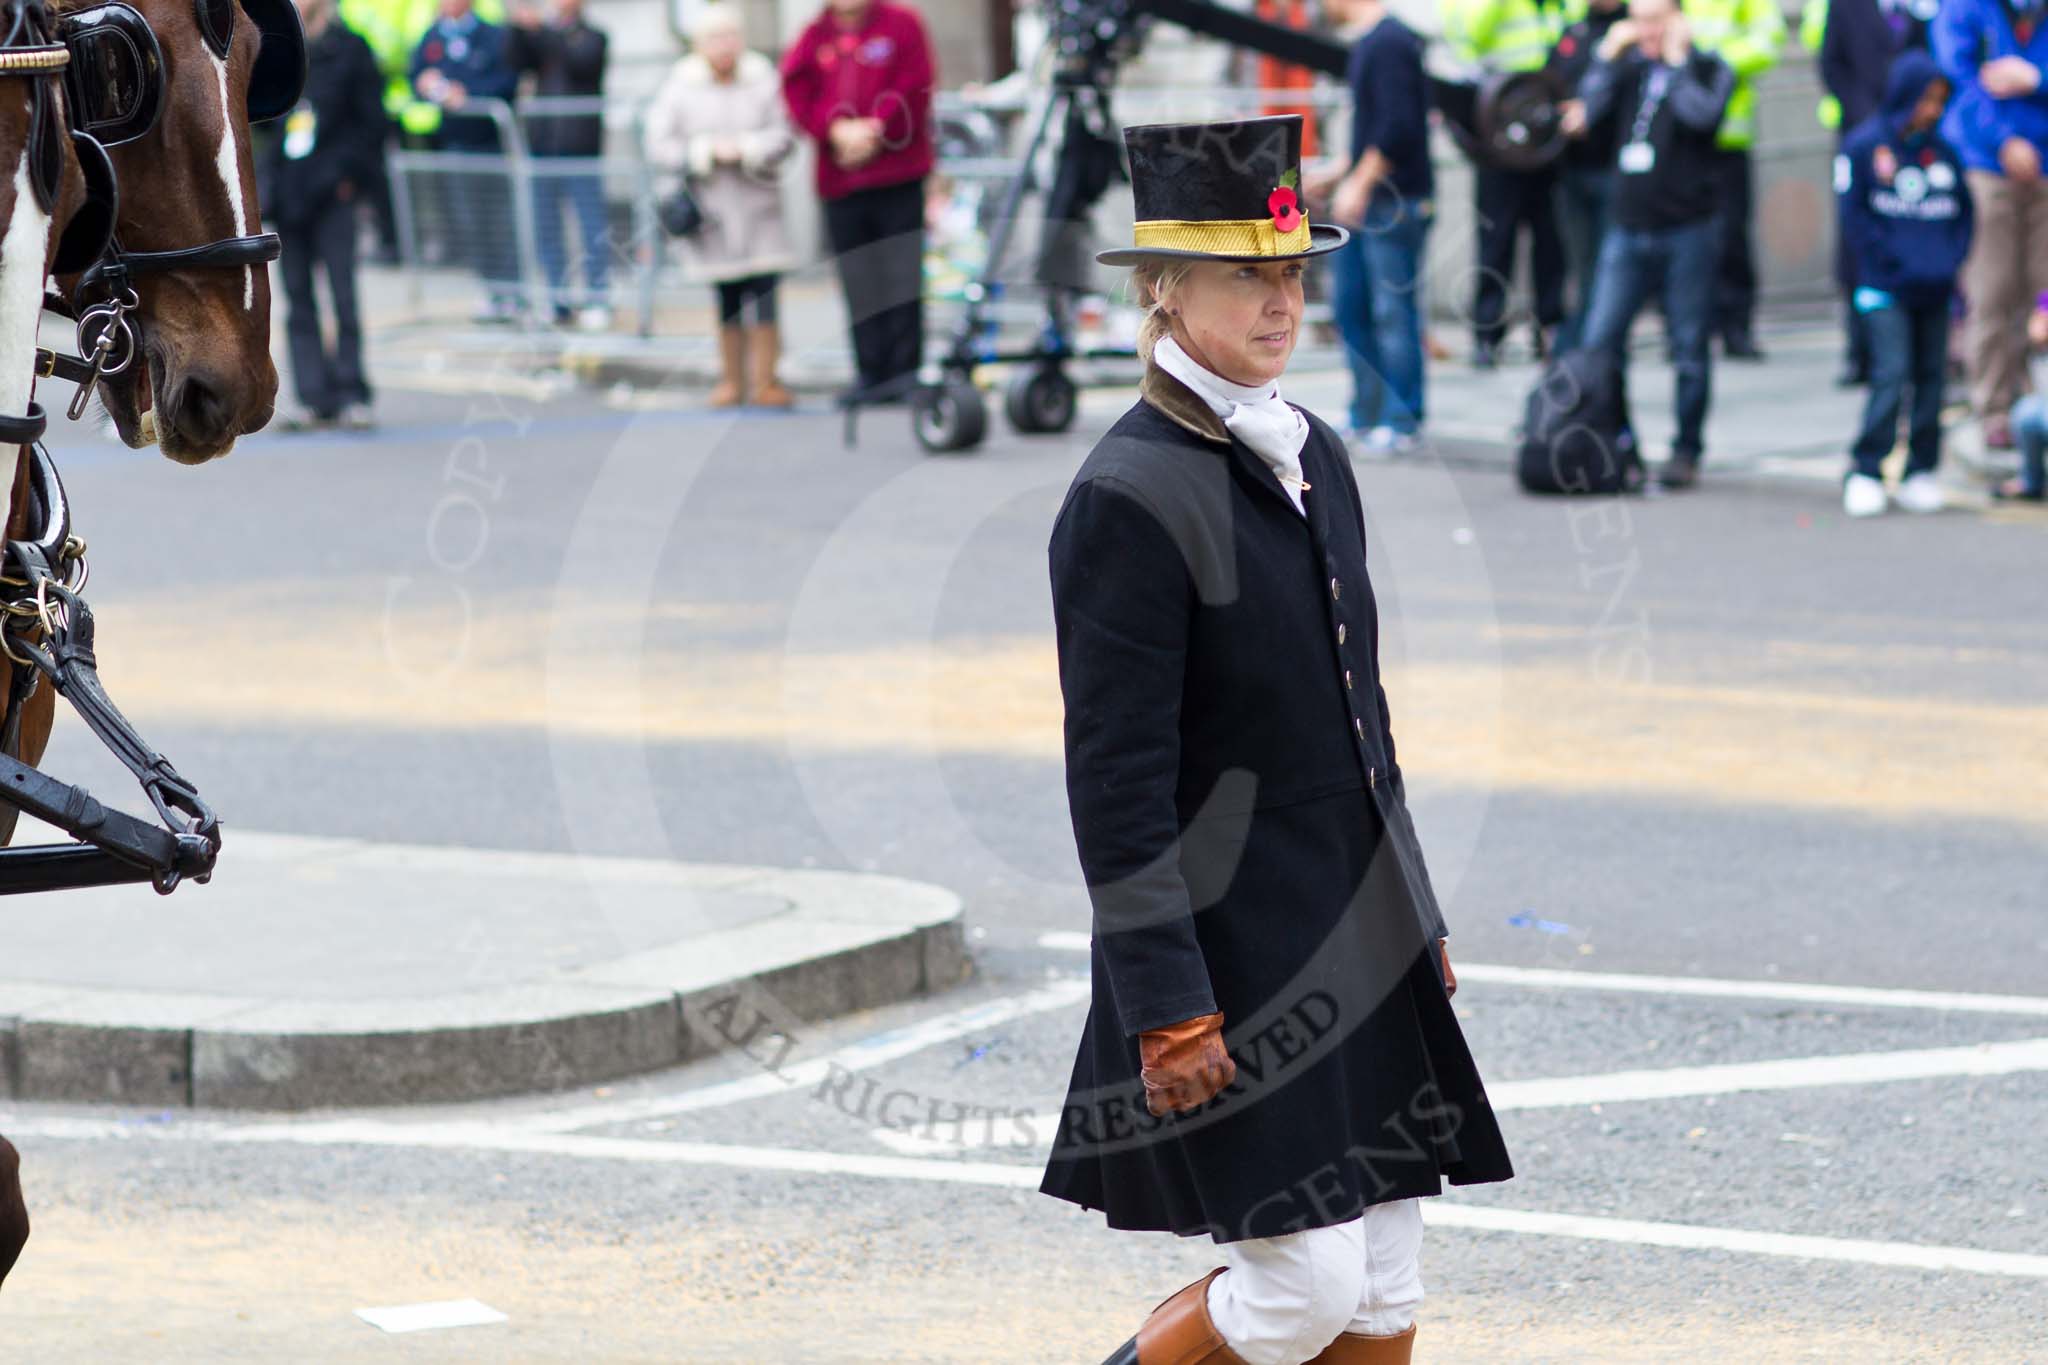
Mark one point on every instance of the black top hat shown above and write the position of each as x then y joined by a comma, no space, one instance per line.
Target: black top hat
1222,192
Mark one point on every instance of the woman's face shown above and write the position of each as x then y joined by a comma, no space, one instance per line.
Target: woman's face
1240,320
721,48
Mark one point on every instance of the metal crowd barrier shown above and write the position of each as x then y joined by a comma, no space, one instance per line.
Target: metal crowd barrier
484,223
488,220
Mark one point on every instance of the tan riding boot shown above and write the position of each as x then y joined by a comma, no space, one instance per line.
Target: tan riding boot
764,351
13,1211
1179,1333
732,359
1352,1349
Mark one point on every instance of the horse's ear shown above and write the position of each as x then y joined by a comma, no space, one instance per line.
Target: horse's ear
91,230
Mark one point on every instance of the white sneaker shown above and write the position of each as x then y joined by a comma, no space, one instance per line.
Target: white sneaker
595,318
1387,441
1922,493
1863,496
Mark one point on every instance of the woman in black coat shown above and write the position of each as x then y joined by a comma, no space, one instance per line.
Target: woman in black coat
1271,1058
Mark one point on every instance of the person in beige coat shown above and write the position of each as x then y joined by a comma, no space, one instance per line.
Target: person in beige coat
719,120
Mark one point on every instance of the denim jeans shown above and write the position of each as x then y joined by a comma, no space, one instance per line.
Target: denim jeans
1680,265
1376,297
552,193
2030,432
1583,194
1908,345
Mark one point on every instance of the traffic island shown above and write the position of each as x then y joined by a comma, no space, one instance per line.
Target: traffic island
334,972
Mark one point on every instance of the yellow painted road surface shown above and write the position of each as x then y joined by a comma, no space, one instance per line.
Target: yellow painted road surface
1786,722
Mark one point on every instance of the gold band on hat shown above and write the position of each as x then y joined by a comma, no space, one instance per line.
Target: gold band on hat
1223,237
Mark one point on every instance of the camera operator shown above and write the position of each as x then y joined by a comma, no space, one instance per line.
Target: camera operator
1668,99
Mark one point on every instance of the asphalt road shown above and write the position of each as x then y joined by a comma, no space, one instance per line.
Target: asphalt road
1728,737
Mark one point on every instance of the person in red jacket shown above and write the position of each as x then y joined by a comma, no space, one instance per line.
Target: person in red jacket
859,80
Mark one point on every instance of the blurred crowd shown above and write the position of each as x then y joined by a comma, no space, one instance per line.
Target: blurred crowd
440,74
1940,117
1938,108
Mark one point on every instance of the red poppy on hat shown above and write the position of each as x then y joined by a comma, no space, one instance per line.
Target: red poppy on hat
1285,207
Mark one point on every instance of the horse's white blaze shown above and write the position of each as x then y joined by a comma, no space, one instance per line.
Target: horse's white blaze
229,164
22,252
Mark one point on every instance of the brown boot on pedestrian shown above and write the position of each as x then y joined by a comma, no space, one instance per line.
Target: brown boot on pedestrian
732,359
1179,1333
13,1211
1351,1348
764,352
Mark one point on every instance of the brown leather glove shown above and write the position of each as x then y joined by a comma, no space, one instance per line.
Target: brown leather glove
1185,1064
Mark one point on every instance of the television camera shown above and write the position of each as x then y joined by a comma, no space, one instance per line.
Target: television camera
1508,119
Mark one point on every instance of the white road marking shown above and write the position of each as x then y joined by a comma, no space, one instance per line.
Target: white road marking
861,1056
1805,992
1014,1176
906,1142
1693,1237
1791,1073
229,164
1811,993
483,1137
428,1317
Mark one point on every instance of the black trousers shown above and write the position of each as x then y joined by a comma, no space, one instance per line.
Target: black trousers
1855,336
1508,200
755,294
1735,283
878,241
325,381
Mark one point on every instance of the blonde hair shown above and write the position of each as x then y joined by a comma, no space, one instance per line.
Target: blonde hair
714,19
1153,282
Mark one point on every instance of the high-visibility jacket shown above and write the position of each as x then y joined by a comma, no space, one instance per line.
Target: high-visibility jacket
1508,35
1813,31
393,29
1748,35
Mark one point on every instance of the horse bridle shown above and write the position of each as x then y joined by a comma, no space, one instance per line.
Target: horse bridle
46,627
104,300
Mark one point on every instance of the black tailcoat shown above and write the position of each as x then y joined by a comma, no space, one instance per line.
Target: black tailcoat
1245,837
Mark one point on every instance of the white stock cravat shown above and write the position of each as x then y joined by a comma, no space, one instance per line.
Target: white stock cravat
1259,417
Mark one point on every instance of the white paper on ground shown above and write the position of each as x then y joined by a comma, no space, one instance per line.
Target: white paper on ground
420,1317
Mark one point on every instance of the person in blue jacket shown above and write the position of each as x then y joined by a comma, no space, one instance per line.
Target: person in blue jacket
1994,53
1859,40
460,60
1907,217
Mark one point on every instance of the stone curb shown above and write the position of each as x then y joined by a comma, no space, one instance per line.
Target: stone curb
848,942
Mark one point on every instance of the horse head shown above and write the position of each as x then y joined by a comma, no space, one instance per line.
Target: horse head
188,245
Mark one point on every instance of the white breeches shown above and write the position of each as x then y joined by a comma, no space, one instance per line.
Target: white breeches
1284,1299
